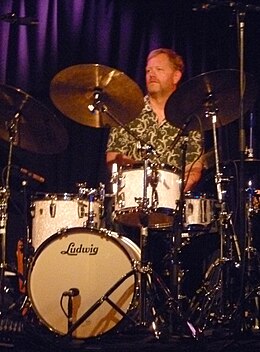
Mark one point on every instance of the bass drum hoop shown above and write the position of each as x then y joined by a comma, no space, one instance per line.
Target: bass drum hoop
41,282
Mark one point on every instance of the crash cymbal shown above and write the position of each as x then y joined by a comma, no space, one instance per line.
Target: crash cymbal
38,129
217,90
74,89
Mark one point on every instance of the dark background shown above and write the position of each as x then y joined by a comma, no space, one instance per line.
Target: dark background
118,34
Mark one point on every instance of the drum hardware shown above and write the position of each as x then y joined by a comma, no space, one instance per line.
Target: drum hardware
229,269
217,98
178,228
252,266
92,195
219,298
154,183
217,304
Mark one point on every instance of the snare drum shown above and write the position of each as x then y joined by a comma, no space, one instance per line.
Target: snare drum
52,212
93,262
199,212
163,188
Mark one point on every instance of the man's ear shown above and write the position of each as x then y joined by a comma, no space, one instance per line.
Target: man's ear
177,76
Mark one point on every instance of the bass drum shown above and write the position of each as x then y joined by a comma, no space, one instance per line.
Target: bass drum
92,262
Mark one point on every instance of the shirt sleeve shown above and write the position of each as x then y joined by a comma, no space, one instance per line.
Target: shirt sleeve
117,140
195,146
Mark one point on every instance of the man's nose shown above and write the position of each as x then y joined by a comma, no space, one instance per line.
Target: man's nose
151,73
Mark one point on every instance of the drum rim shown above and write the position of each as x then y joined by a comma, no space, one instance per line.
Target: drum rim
41,196
138,165
76,229
200,195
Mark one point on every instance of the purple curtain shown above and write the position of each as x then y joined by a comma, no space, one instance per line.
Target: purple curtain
118,34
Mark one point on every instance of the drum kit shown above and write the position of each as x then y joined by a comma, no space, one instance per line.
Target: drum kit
81,279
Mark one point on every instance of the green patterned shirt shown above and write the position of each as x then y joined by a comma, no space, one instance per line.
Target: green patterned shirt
160,137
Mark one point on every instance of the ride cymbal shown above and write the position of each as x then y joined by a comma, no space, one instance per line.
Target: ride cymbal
92,94
37,129
212,91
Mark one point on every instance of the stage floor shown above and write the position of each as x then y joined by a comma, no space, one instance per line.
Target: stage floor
23,337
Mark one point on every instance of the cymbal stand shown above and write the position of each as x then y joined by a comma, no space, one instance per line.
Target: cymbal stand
214,302
12,128
252,280
251,270
178,225
241,10
150,281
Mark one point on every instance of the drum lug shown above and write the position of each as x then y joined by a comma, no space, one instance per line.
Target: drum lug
101,211
32,210
62,230
155,199
121,200
121,179
102,192
81,209
52,209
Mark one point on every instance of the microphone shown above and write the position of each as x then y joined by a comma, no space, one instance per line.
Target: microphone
72,292
32,175
13,18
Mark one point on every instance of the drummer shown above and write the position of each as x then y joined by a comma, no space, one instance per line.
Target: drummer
164,69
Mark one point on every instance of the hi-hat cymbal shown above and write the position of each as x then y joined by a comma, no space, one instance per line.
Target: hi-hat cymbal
216,91
38,129
74,89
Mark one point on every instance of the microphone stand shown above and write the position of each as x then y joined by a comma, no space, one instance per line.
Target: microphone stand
12,127
4,209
